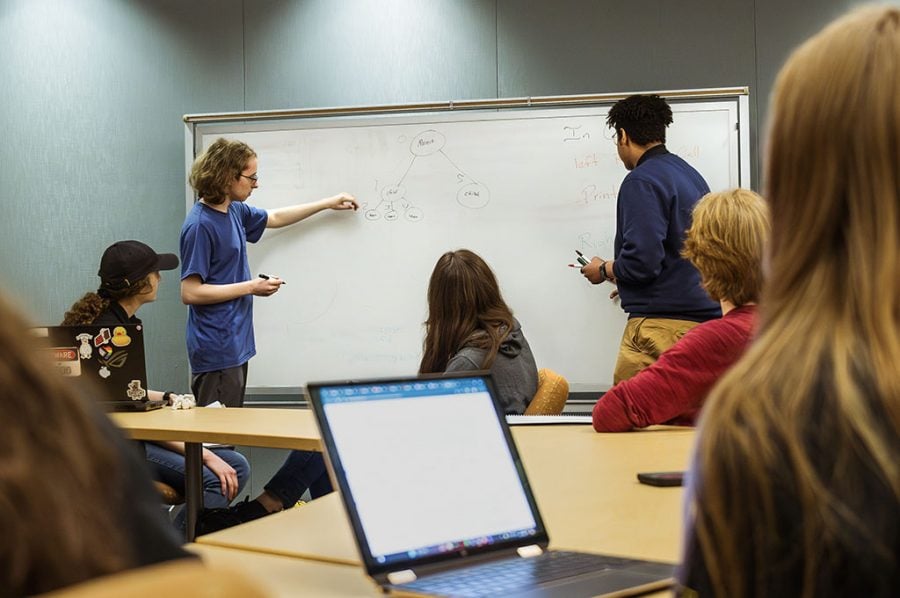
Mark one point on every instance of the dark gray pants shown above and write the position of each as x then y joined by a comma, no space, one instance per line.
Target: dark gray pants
226,386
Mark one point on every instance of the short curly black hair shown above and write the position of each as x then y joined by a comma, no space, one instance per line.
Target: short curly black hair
644,118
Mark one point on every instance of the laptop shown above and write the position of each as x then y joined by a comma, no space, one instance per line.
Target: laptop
108,358
437,496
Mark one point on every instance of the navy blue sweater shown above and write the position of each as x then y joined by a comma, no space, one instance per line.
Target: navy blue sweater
652,212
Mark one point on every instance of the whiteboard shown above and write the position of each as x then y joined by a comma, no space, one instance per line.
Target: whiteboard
523,188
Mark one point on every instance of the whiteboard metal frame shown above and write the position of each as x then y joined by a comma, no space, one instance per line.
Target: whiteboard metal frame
193,122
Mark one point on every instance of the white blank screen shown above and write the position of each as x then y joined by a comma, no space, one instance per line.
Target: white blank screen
424,471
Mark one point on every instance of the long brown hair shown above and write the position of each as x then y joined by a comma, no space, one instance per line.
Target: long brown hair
55,468
797,488
465,308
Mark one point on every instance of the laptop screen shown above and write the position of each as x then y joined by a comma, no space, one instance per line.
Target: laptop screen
427,468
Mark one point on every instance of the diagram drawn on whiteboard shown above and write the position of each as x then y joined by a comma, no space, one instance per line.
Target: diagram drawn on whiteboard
393,201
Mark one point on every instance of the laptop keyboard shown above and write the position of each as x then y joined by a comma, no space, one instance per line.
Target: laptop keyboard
507,576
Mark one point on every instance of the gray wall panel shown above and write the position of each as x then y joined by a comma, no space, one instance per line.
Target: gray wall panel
782,25
93,96
585,46
326,53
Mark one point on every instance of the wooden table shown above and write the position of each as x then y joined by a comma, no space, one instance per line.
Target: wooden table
275,428
286,577
585,484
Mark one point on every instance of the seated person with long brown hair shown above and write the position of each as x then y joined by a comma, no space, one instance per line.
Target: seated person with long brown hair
470,327
725,243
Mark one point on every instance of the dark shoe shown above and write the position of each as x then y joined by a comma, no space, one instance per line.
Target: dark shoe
213,520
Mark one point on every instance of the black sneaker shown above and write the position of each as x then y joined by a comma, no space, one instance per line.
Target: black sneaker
213,520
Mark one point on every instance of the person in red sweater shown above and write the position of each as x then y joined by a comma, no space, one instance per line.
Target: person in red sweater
725,243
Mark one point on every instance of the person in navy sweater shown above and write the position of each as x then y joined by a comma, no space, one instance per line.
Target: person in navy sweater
725,243
659,290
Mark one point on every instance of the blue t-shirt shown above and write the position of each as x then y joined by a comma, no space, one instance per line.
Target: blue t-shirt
654,210
214,247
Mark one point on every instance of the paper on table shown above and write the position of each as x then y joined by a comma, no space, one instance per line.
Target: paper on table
516,420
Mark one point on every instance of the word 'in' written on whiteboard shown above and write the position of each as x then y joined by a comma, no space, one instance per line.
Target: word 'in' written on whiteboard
393,201
574,134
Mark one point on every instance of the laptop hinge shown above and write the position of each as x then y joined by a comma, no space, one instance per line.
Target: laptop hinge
532,550
401,577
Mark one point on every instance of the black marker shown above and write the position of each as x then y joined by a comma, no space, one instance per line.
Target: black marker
581,259
267,277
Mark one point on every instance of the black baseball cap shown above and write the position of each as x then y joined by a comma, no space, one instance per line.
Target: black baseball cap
125,263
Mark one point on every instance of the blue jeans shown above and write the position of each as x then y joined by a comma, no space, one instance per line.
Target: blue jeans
302,470
168,467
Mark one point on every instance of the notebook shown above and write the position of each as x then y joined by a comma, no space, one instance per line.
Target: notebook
109,358
437,496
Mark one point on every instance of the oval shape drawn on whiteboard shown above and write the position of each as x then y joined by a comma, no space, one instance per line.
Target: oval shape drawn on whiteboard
427,143
473,195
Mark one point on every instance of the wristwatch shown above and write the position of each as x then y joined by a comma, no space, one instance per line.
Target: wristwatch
603,276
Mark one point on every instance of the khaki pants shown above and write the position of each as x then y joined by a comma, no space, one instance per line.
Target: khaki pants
644,340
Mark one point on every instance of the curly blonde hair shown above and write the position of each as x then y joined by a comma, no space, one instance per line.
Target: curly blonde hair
725,243
218,167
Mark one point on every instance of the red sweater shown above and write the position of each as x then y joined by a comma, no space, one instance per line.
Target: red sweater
672,390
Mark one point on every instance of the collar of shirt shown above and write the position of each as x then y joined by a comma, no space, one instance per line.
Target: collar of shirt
122,315
656,150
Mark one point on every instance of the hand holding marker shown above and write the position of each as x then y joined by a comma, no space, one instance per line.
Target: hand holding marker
267,277
581,260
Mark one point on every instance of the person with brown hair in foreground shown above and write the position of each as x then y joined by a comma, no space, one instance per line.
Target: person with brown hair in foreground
795,488
76,501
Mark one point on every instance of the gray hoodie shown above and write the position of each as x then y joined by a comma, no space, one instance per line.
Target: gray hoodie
514,371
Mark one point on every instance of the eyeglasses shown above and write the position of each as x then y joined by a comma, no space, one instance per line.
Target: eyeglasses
252,177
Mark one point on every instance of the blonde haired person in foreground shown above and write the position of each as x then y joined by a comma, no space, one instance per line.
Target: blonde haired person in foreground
76,501
796,482
725,243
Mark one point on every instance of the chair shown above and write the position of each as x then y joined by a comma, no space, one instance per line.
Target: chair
551,395
169,495
171,498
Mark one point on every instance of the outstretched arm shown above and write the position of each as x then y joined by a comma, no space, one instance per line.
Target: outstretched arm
292,214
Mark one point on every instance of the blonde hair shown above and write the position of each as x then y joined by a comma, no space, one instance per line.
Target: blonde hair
725,243
797,487
213,172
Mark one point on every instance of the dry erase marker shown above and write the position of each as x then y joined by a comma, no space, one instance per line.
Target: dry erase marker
267,277
581,259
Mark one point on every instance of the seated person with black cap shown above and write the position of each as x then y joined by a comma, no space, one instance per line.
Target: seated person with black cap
129,278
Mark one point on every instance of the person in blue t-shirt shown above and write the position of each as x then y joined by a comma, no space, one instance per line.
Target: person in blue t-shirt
216,284
217,287
659,289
